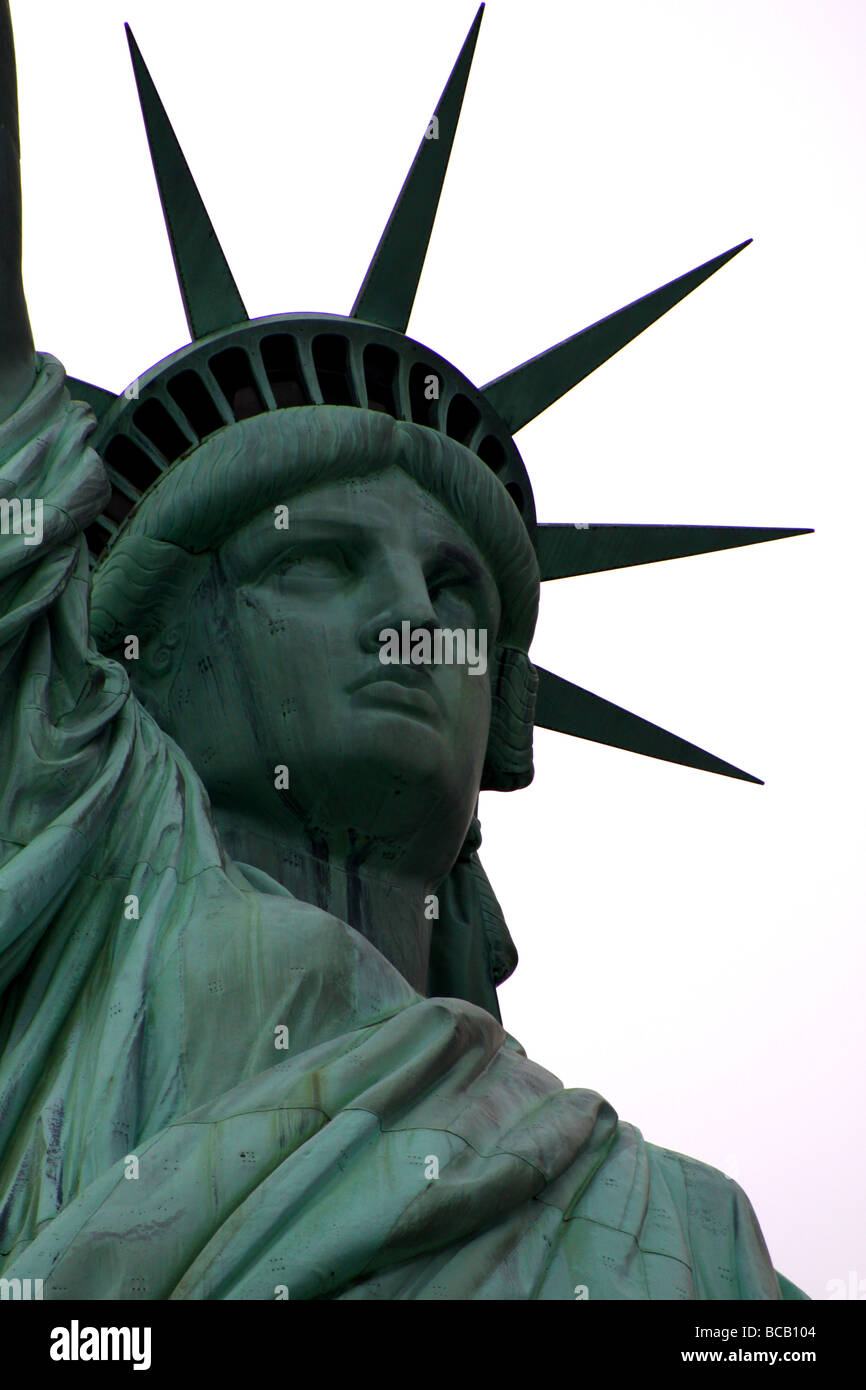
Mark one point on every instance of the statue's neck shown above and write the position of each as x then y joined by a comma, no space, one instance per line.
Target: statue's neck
385,906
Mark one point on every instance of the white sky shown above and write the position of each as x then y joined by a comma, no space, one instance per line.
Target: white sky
690,947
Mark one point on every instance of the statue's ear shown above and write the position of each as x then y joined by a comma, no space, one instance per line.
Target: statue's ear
513,686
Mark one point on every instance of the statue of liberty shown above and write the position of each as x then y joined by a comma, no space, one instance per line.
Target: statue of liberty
250,1045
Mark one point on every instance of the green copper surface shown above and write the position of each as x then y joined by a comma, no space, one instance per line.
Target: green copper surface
250,1044
568,709
210,295
565,551
16,341
388,292
524,392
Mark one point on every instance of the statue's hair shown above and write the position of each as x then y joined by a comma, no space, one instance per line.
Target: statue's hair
253,464
264,461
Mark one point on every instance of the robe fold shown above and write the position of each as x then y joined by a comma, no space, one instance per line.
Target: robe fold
210,1089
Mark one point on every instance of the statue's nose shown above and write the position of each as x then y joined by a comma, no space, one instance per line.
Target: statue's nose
392,620
402,596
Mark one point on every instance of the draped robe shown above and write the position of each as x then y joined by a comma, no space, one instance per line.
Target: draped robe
156,1139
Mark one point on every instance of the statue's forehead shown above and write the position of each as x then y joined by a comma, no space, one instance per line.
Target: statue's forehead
385,503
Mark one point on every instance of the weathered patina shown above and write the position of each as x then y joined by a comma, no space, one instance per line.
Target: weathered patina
250,1045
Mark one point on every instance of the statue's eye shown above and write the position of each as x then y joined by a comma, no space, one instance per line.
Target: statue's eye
321,561
455,577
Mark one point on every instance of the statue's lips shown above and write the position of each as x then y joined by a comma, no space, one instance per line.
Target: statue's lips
401,687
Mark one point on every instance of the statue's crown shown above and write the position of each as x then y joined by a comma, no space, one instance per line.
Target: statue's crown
236,367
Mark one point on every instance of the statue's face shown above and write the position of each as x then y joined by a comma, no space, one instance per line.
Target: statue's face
282,667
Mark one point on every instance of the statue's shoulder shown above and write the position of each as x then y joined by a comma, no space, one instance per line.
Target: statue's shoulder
691,1171
713,1203
726,1242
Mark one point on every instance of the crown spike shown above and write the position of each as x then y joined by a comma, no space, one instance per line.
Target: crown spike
565,551
210,295
568,709
17,359
388,292
523,393
97,397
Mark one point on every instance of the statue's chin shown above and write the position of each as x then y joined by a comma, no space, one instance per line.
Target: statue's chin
396,812
398,793
392,750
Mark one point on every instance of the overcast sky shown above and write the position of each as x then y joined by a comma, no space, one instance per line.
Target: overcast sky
691,947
